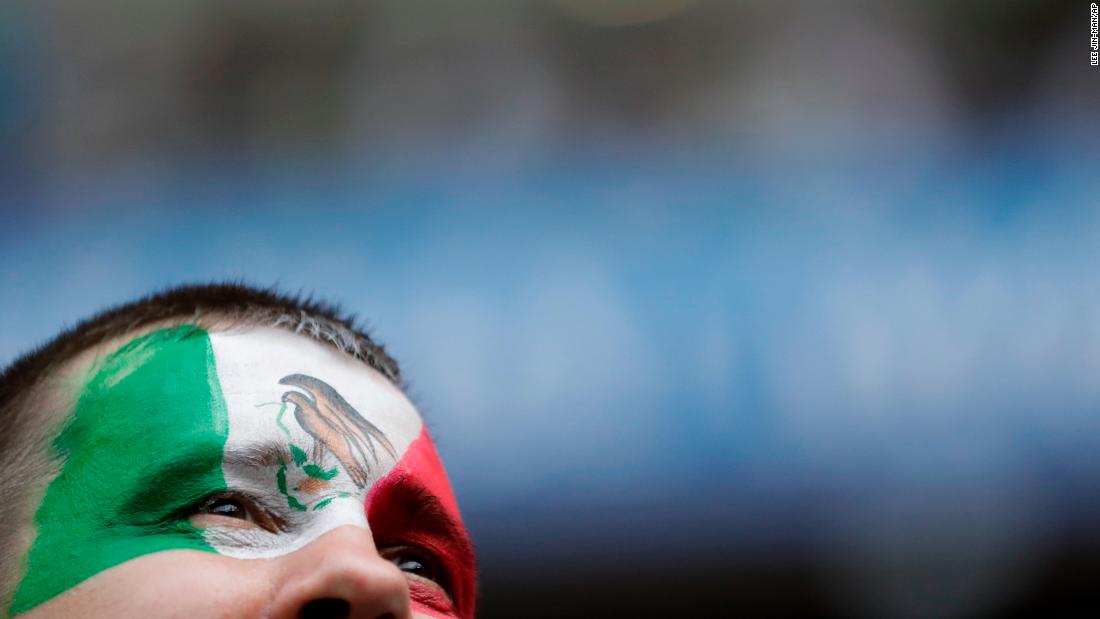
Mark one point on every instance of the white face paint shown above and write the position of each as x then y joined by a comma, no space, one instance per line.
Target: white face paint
306,449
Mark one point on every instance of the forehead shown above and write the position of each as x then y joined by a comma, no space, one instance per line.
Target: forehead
242,367
251,397
260,369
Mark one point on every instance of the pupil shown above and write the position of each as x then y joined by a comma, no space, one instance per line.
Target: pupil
414,566
226,507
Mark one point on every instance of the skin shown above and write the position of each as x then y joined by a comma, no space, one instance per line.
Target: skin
243,474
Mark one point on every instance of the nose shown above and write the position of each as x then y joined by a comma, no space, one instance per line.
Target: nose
339,575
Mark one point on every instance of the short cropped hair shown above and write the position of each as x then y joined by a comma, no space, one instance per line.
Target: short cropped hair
24,458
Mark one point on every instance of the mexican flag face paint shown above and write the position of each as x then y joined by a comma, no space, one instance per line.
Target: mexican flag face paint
180,417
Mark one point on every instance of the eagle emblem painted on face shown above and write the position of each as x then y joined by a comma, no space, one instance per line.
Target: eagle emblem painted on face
336,427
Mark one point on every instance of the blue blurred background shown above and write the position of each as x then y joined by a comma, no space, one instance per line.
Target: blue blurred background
760,308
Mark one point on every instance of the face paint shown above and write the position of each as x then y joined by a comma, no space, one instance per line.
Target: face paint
414,504
309,432
144,440
181,415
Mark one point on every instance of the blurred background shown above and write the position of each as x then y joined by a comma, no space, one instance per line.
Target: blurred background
715,308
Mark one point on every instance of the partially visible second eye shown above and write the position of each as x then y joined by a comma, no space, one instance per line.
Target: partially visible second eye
416,562
429,582
415,565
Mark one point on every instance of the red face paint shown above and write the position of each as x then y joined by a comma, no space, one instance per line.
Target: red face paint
413,505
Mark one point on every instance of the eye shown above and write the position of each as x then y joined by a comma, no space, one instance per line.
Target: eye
233,510
228,507
417,562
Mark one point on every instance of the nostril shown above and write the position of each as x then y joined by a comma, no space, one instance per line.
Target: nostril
326,608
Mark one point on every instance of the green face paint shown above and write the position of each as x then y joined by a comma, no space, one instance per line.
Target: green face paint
144,442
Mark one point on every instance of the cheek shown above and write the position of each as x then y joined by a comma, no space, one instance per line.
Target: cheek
164,585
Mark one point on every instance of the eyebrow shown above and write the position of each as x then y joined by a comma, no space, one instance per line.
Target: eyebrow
258,454
173,480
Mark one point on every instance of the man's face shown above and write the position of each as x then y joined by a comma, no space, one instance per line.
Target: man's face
240,474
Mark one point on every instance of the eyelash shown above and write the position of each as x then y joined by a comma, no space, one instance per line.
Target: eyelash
434,566
259,514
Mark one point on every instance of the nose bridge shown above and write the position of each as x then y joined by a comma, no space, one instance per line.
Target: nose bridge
346,511
339,574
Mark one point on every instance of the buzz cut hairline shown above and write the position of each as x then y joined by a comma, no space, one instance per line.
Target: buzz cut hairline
231,302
